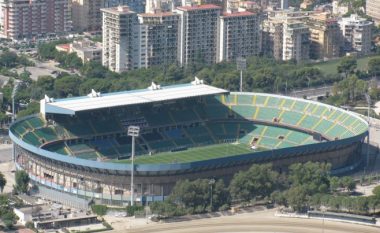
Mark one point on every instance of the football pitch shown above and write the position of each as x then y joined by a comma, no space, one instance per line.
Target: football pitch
193,154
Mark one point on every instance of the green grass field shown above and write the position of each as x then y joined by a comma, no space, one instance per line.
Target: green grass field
193,154
330,67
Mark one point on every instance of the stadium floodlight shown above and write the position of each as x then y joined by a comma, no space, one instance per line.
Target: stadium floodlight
14,92
134,132
368,99
241,64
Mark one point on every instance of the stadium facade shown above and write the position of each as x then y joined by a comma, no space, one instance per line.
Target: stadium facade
80,147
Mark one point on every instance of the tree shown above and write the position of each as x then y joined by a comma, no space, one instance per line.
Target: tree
166,208
297,198
376,192
314,177
347,65
99,209
22,181
6,213
374,67
348,183
33,107
8,59
259,181
67,85
192,195
3,182
335,183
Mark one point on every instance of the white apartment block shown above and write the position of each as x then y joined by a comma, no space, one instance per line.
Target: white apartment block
357,34
120,39
373,10
284,36
198,33
239,35
296,43
31,19
158,39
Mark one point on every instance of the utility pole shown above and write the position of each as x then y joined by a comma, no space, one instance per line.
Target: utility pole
133,131
241,64
211,182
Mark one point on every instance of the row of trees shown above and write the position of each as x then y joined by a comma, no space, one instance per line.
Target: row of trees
305,186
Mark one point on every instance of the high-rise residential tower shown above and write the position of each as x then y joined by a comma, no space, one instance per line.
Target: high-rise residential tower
325,36
120,38
239,34
88,17
357,34
21,19
158,39
296,42
198,33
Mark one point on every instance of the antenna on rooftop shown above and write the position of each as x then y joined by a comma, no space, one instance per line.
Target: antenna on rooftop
94,94
197,81
154,86
48,99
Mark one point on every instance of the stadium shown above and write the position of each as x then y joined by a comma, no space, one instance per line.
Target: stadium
79,149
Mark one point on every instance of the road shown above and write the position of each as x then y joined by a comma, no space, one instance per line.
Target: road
262,221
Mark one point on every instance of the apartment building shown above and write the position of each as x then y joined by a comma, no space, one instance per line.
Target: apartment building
21,19
158,39
198,33
284,35
325,37
87,16
296,43
239,35
373,10
357,34
87,50
272,37
120,38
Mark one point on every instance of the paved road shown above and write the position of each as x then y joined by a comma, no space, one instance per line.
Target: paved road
263,221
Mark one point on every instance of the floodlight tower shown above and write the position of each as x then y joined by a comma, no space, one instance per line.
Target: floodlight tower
14,92
368,99
133,131
241,64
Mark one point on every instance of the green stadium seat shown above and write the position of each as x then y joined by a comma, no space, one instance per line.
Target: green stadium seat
31,138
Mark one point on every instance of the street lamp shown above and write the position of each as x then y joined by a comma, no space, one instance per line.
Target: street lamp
133,131
241,64
323,208
211,182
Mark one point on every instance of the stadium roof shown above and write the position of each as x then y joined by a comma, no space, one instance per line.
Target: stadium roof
154,93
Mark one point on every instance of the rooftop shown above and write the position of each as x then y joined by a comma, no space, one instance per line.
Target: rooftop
160,14
237,14
118,10
154,93
199,7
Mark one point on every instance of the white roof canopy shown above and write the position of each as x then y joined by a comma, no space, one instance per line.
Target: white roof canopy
155,93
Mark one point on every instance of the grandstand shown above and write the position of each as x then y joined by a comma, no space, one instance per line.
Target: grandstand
209,133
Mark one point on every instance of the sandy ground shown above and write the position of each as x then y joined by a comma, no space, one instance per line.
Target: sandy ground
8,169
7,166
367,189
377,108
259,221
